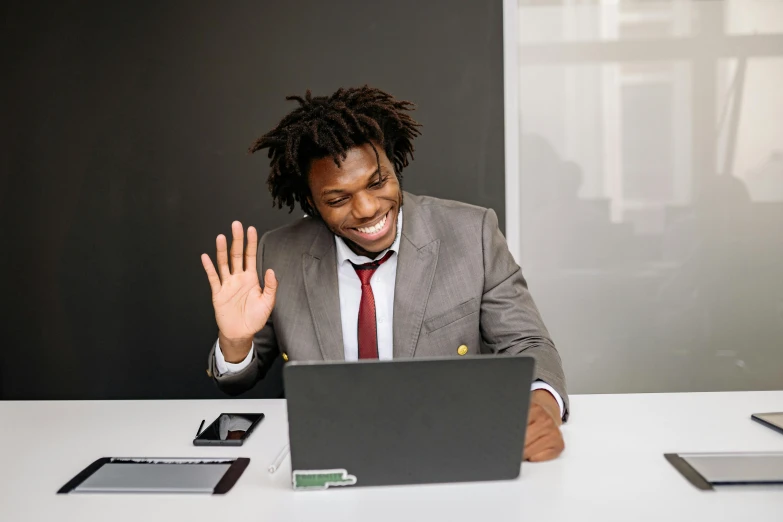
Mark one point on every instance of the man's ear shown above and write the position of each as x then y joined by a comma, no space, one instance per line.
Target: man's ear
311,204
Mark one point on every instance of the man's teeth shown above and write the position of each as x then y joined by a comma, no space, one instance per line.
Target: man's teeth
374,229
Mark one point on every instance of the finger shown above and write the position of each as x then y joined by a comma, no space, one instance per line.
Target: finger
545,455
536,413
252,249
209,268
541,429
554,415
237,246
222,257
552,442
270,284
538,430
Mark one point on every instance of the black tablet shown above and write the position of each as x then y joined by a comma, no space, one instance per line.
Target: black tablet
770,420
157,475
708,470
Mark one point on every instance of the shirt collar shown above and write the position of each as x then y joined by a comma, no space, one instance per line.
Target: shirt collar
345,254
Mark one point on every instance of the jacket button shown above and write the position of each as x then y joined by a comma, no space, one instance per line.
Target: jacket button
285,357
462,350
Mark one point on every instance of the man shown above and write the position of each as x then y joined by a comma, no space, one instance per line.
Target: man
372,271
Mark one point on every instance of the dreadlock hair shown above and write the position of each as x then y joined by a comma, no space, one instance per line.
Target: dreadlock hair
328,126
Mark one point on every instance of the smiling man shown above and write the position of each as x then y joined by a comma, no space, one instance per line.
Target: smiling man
372,272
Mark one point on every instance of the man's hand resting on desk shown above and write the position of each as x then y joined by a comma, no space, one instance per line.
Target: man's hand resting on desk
242,308
543,440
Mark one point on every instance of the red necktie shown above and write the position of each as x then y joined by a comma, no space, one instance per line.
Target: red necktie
367,328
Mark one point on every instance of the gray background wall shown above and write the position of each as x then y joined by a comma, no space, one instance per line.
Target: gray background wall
125,127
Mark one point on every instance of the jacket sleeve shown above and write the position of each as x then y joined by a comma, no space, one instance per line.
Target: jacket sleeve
510,321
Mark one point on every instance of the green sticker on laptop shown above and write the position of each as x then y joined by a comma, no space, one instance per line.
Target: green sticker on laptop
314,479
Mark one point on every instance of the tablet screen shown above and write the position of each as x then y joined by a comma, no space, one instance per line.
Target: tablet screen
148,477
738,468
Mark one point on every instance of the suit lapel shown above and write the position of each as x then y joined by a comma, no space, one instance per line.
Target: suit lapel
416,262
319,268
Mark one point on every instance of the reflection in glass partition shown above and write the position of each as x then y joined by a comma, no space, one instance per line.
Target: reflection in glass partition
649,221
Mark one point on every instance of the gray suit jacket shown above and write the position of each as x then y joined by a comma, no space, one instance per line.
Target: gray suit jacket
457,284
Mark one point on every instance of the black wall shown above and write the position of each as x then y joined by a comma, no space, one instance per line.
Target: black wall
125,128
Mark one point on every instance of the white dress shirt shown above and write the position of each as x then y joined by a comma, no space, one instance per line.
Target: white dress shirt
350,289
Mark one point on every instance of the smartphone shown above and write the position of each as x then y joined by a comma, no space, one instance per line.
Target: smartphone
229,429
770,420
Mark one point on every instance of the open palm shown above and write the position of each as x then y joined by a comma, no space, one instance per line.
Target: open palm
242,307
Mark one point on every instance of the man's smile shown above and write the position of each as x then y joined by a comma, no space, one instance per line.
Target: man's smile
375,230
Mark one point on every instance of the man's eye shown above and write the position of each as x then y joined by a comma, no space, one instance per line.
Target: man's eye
379,183
337,202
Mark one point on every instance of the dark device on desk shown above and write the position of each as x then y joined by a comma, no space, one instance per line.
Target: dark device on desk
407,421
770,420
707,471
157,475
229,429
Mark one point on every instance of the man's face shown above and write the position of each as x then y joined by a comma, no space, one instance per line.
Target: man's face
355,202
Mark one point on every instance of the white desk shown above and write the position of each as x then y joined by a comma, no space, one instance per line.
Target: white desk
612,469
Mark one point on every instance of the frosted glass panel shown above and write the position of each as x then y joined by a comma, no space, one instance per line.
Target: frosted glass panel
650,190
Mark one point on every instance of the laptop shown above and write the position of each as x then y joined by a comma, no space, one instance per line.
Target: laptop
407,421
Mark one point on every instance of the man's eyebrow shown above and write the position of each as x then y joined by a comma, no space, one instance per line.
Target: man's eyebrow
374,174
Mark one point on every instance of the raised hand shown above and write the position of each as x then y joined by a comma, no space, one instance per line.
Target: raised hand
242,307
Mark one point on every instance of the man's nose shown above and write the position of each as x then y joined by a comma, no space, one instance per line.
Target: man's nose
365,206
